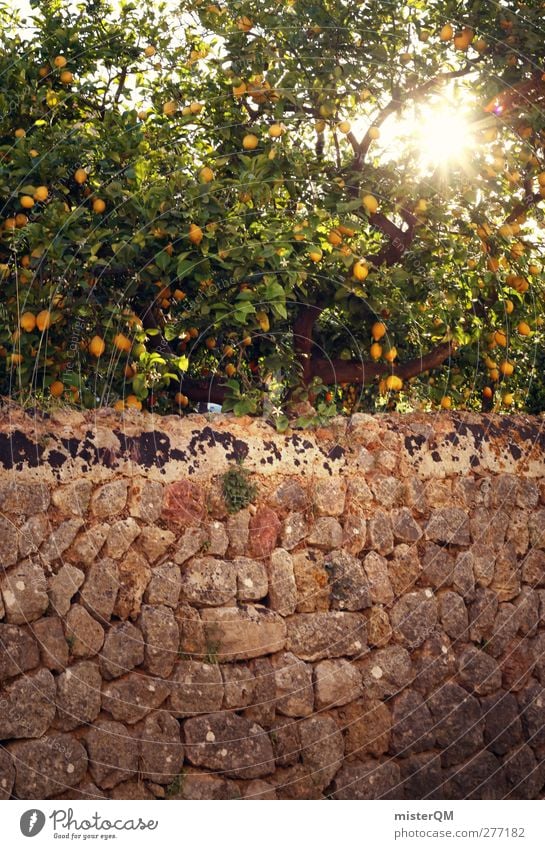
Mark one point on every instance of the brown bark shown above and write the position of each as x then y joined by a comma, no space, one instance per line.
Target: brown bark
351,371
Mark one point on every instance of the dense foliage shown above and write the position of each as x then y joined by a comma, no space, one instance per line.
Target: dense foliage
203,202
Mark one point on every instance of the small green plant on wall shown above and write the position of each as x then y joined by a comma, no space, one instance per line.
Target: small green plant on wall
238,490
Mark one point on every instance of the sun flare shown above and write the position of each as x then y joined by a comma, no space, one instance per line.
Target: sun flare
440,133
443,136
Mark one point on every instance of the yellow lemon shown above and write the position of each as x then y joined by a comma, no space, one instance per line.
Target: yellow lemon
250,141
275,131
43,320
370,203
393,382
97,346
206,174
360,270
41,193
378,330
195,234
122,343
56,388
28,321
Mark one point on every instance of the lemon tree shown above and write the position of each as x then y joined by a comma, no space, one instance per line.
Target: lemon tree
284,207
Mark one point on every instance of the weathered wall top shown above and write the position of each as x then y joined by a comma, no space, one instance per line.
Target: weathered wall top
56,446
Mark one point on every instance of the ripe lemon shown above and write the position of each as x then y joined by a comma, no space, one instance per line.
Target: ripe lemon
195,234
56,388
122,343
315,254
524,329
509,307
493,264
488,392
169,108
393,382
508,399
99,205
461,41
181,399
20,133
375,351
360,270
149,51
41,193
230,370
446,33
494,375
344,127
500,338
370,203
59,61
28,321
119,406
210,343
67,77
206,175
80,175
374,133
26,202
244,23
250,141
275,131
390,355
334,238
133,403
179,295
97,346
43,320
446,402
507,368
378,330
263,320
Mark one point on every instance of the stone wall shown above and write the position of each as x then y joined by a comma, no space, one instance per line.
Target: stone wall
371,625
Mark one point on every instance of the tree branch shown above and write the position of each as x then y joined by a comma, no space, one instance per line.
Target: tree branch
522,207
400,239
351,371
209,391
121,84
302,336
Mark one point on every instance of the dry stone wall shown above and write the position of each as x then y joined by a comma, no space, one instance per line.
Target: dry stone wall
371,625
